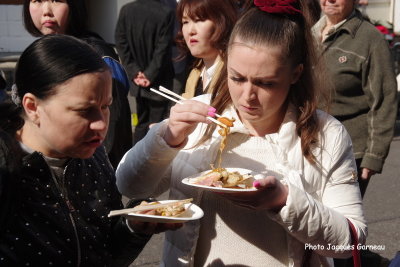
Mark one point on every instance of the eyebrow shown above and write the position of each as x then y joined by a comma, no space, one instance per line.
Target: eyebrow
253,78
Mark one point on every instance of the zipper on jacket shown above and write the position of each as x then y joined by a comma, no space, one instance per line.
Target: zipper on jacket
71,209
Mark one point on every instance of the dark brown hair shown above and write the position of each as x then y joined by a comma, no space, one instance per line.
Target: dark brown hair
47,62
292,34
222,13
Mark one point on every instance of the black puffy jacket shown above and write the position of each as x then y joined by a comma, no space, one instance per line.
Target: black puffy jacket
45,222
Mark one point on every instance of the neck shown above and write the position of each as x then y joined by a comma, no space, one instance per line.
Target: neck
333,20
269,125
29,136
209,61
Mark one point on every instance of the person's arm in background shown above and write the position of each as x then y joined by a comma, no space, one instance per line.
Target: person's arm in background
379,84
161,48
122,44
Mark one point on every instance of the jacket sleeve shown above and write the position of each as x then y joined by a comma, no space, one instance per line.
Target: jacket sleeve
161,49
144,171
323,223
122,44
379,84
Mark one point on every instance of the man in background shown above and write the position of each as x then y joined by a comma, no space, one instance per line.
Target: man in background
143,39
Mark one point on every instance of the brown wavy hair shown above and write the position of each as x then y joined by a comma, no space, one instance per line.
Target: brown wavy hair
292,34
223,13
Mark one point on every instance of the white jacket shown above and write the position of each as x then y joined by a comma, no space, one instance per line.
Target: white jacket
319,201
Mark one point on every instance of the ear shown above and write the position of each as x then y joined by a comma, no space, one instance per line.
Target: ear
30,105
298,70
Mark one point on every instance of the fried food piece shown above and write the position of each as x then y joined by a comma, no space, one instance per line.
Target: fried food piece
226,121
220,177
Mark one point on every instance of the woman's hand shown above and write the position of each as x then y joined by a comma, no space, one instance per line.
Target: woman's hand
270,195
366,173
184,119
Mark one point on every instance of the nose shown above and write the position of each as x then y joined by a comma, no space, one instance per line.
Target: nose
47,9
249,91
100,123
192,29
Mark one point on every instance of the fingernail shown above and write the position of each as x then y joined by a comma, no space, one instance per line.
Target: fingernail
212,109
256,184
211,114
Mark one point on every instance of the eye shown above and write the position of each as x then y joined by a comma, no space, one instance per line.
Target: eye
104,107
236,79
264,84
185,22
83,110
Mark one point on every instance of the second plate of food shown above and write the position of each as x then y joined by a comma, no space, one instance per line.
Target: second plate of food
190,212
226,180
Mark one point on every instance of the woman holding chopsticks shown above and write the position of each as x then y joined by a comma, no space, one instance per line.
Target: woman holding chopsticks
301,211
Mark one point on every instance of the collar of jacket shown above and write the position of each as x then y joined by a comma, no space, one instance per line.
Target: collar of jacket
351,26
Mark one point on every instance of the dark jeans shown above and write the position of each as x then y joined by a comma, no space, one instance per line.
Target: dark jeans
148,111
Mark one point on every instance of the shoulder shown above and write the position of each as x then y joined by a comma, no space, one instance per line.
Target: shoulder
101,46
332,132
10,152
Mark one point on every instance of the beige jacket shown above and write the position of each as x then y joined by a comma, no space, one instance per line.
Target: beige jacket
194,76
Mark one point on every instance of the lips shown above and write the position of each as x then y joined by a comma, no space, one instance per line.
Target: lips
248,109
193,41
49,23
94,142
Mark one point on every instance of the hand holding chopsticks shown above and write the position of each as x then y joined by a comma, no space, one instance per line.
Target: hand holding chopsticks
165,91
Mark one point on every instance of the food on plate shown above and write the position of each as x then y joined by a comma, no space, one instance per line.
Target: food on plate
220,177
173,209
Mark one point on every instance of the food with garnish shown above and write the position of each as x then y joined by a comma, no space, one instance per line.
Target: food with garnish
220,177
173,209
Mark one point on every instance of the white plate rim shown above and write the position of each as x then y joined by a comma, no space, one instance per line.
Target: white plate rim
186,181
197,214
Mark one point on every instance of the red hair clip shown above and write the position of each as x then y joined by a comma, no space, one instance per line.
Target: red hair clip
278,6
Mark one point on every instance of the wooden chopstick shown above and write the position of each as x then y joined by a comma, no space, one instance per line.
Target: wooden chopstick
165,90
179,102
148,207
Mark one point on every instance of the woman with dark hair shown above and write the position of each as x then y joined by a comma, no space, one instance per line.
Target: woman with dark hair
70,17
205,30
310,190
56,183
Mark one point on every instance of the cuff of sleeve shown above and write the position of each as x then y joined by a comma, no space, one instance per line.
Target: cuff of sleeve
373,163
295,205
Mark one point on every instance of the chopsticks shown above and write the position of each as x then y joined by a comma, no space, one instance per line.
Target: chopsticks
148,207
165,90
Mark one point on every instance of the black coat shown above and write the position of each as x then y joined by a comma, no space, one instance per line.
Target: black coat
143,39
45,222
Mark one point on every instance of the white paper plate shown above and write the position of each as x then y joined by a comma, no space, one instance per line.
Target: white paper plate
191,179
193,212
